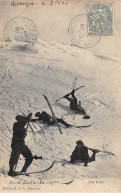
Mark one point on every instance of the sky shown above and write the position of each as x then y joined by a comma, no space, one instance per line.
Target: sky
52,22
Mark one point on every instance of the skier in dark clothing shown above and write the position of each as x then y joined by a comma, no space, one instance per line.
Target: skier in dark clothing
18,145
74,104
46,118
80,154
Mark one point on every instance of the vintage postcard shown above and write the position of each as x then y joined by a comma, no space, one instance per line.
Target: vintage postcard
60,96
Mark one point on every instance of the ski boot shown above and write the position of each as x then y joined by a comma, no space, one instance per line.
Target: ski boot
12,173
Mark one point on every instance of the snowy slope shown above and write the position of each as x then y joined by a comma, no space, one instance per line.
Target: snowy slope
50,68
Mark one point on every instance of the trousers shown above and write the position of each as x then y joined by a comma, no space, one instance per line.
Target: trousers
16,151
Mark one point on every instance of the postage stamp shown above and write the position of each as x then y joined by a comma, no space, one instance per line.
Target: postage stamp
78,30
20,33
100,19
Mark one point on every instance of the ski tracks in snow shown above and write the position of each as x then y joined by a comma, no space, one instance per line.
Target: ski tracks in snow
8,66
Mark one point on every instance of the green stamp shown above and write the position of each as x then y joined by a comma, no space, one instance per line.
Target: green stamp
100,19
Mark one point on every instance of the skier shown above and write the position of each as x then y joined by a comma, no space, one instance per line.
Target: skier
73,103
46,118
18,145
80,154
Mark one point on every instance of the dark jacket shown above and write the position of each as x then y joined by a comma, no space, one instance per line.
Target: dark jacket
19,133
80,154
43,116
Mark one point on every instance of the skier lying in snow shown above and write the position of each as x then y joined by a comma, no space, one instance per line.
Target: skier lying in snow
80,154
46,118
74,105
18,145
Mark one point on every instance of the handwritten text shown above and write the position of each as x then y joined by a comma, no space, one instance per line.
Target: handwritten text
41,2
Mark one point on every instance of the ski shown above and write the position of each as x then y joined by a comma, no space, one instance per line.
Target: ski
28,173
69,93
66,162
103,151
67,183
52,113
82,126
79,126
74,83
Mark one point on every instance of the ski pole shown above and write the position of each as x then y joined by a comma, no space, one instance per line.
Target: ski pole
29,124
74,83
31,128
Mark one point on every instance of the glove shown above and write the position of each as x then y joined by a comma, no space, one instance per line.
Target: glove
95,151
36,157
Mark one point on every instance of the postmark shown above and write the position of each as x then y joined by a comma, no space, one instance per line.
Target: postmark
20,33
100,19
78,30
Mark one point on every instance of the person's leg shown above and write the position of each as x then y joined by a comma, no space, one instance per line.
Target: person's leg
28,157
63,122
14,159
66,97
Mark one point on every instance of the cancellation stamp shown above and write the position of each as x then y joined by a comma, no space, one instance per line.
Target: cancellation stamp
100,19
78,30
20,33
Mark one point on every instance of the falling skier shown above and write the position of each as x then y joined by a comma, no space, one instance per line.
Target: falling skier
74,104
80,154
46,118
18,145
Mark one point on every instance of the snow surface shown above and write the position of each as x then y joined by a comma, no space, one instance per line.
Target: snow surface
50,68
